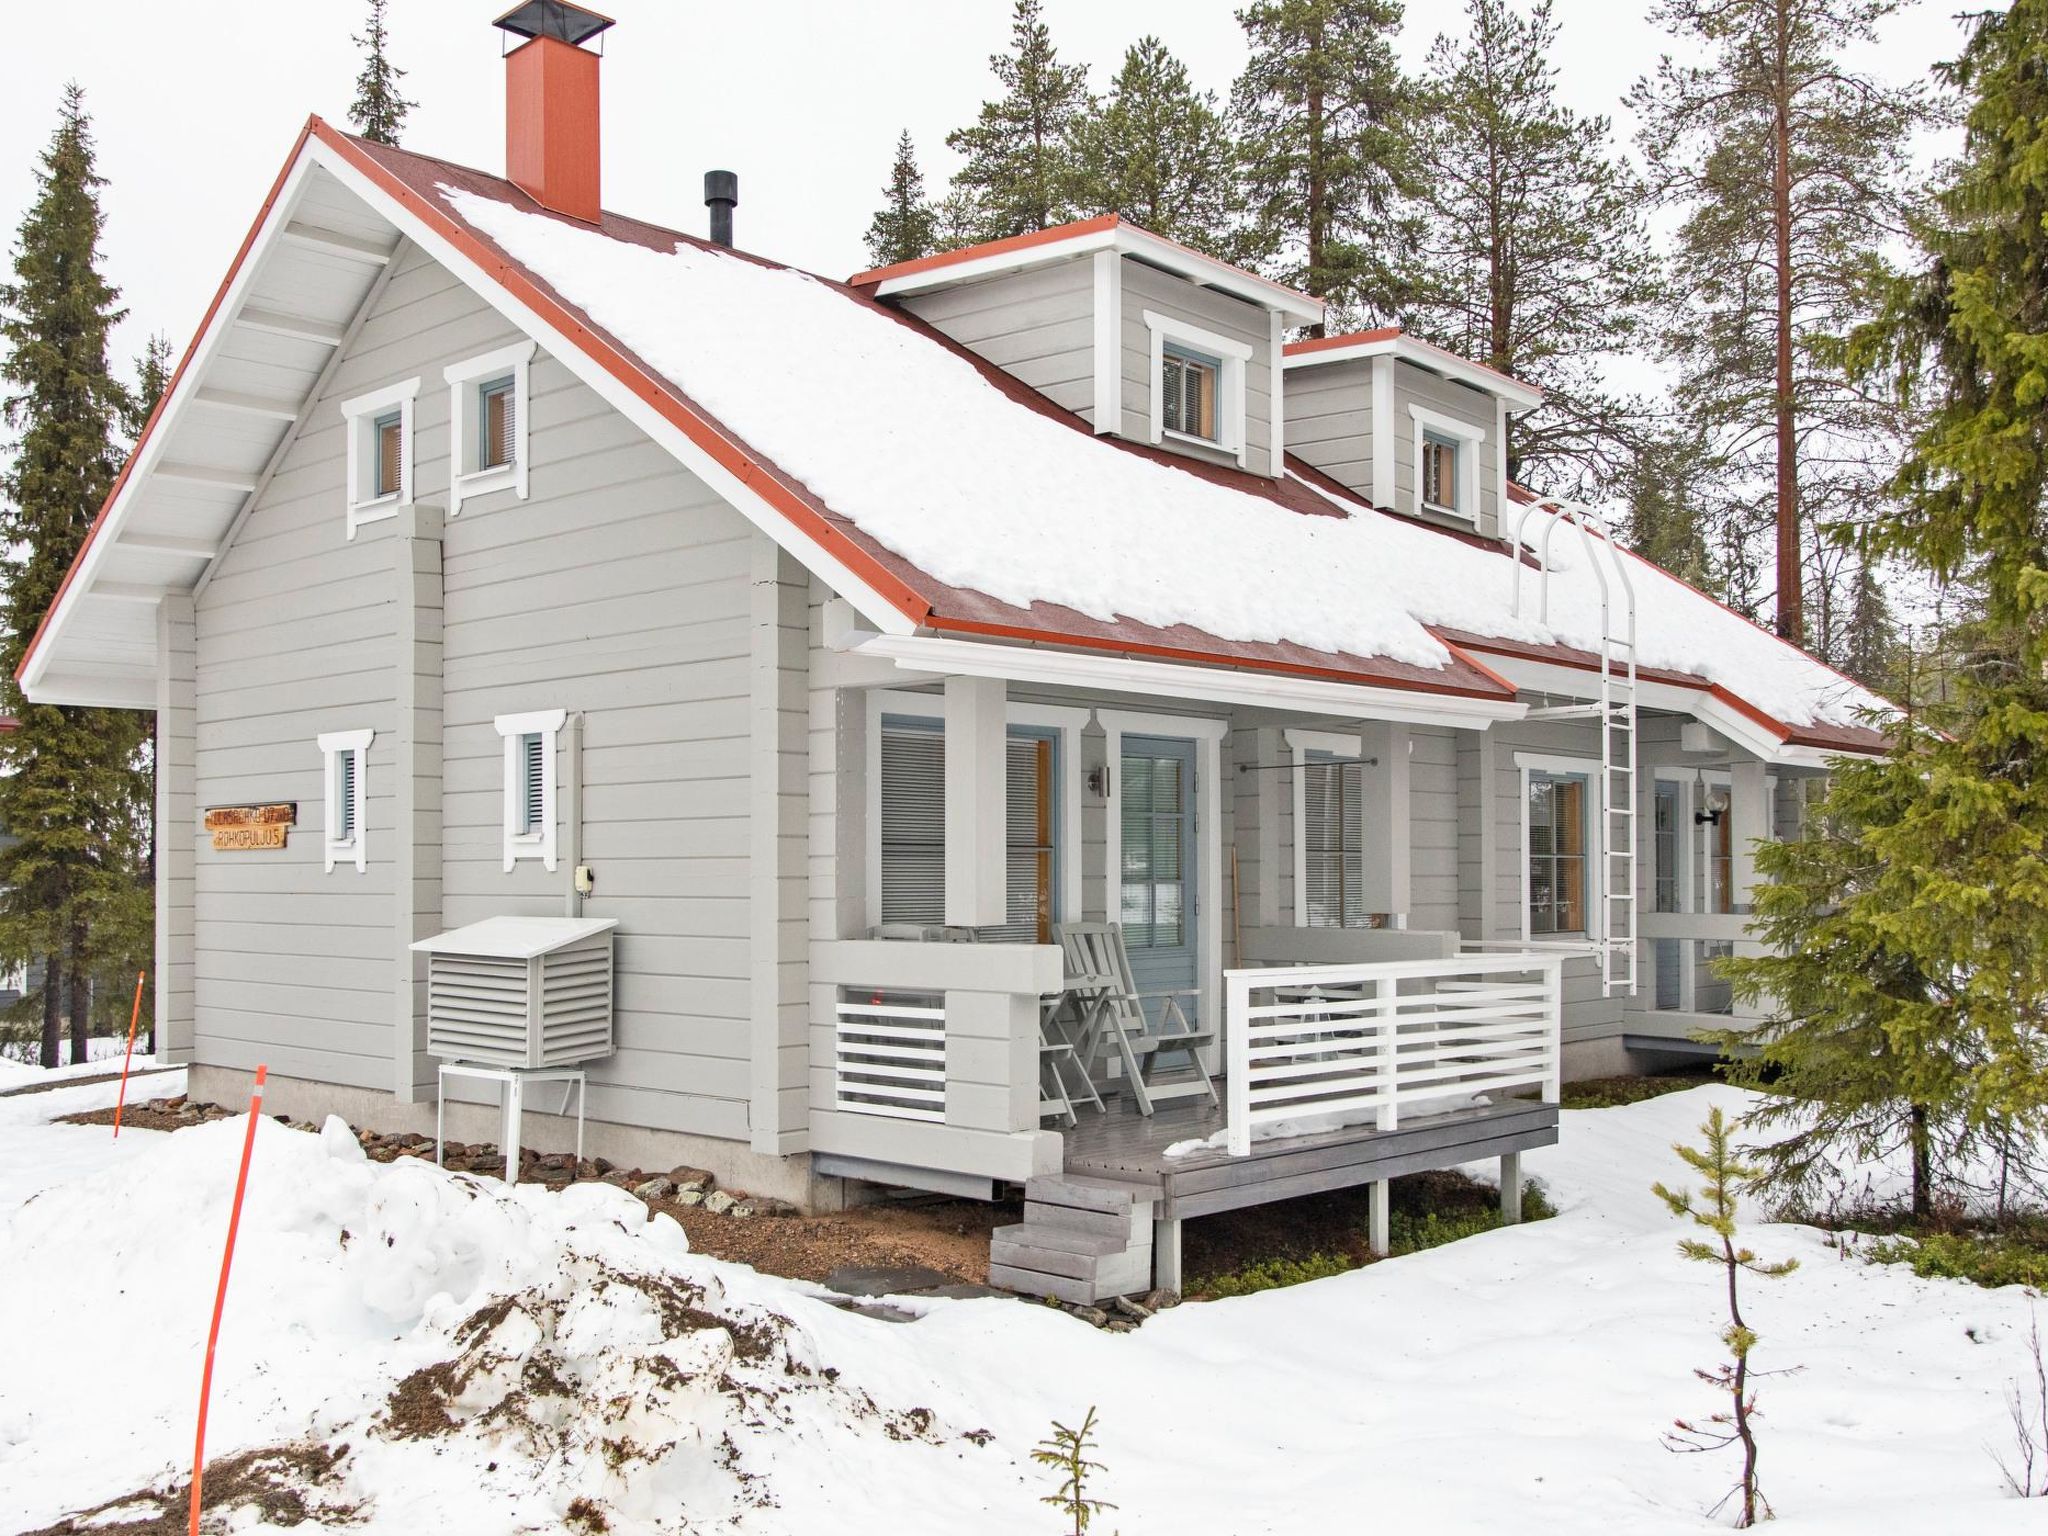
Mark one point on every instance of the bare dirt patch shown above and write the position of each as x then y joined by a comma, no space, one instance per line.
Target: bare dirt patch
284,1485
948,1236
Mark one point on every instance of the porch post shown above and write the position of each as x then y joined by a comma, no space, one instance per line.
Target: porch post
1378,1238
1511,1187
1166,1254
1749,814
975,789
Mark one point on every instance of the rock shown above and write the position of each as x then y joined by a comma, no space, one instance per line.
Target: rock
691,1178
588,1169
1159,1301
1094,1315
1135,1310
690,1197
654,1189
619,1177
764,1205
870,1280
718,1202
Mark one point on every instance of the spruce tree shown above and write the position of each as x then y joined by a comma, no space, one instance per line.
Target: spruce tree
906,226
379,109
1160,154
1320,120
1665,521
1021,172
1790,168
70,787
1531,254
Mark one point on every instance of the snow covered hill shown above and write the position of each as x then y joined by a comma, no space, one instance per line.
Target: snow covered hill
491,1357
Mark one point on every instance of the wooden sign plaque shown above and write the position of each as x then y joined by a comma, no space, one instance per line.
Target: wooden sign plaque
251,826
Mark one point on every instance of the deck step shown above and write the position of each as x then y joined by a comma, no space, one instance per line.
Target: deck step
1088,1193
1038,1234
1122,1225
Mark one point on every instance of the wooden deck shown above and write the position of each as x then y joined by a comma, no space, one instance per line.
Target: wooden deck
1131,1148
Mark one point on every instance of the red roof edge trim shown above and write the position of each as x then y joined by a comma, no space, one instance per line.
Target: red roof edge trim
702,430
1465,655
1348,339
1023,242
170,389
1211,660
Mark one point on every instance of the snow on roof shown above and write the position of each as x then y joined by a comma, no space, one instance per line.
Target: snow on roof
907,440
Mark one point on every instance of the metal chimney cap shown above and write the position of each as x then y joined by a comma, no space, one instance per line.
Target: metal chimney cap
558,19
722,187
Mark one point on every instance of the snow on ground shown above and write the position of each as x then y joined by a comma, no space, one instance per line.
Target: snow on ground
1516,1381
923,439
102,1052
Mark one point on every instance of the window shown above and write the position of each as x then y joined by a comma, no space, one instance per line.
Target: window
379,453
1556,824
530,819
487,415
1447,452
1333,843
345,756
912,845
1187,389
1198,389
1439,472
1158,807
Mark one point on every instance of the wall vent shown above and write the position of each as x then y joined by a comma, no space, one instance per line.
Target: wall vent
521,991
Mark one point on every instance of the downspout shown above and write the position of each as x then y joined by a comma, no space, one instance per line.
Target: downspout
570,768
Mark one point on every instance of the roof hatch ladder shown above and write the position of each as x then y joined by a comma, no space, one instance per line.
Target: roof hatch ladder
1615,928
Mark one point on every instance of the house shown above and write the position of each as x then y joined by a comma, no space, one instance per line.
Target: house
508,558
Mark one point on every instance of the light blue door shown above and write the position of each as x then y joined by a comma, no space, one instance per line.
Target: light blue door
1157,907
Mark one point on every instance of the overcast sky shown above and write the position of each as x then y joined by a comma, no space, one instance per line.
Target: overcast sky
196,103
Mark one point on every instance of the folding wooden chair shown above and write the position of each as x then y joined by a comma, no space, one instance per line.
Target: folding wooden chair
1114,1017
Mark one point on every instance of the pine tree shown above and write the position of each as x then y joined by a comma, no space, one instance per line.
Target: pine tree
1531,253
379,110
1791,170
1665,519
68,883
906,226
1714,1213
1021,172
1319,114
1159,153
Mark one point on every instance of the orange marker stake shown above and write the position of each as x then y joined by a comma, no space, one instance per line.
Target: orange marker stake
220,1296
134,1015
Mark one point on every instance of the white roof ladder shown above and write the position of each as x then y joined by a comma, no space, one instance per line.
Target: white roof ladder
1615,930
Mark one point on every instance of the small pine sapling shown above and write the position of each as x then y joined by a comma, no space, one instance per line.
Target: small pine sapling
1067,1451
1714,1211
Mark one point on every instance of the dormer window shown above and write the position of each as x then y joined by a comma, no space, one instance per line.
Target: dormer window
1187,389
1440,472
1446,462
1198,385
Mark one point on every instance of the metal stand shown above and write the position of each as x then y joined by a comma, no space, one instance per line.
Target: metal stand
513,1081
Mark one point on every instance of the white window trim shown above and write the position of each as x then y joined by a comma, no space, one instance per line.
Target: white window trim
1596,839
357,847
1302,743
462,379
359,413
1470,439
531,845
1231,353
1068,722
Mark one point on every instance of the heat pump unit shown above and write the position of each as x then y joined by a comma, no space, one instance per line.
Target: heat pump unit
521,991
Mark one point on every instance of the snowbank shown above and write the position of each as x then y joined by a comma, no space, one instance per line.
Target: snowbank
1516,1381
919,450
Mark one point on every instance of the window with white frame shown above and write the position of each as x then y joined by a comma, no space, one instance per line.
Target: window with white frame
487,424
345,761
379,448
1446,463
1198,384
1329,841
1557,829
530,809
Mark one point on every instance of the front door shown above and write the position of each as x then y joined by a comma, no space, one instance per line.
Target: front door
1157,907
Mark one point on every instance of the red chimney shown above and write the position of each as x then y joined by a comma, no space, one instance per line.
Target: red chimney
551,138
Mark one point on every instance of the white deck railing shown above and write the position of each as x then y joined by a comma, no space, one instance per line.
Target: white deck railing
1353,1044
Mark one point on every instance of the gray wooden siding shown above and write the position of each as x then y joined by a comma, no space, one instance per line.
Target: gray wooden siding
1161,292
619,591
1038,325
1329,420
1415,386
1433,828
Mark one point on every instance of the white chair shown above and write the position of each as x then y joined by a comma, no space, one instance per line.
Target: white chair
1113,1013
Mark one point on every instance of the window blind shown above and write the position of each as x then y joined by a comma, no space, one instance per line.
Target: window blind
1557,853
390,454
345,796
913,832
497,420
1333,842
533,786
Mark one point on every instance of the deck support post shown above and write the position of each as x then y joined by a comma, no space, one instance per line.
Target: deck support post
1377,1238
1510,1187
1166,1253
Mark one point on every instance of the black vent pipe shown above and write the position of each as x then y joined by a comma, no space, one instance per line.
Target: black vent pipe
721,196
